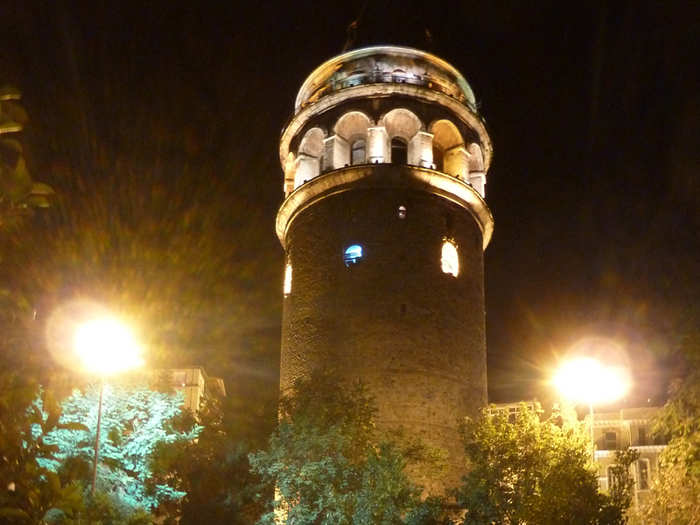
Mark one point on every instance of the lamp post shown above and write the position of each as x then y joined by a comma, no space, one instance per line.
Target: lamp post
587,381
105,346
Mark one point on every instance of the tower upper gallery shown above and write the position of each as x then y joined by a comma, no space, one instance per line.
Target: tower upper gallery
386,105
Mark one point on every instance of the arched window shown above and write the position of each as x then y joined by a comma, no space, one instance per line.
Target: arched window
287,288
358,152
446,137
450,258
399,151
352,254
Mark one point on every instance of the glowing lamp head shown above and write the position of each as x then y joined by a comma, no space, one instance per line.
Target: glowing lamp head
106,346
586,380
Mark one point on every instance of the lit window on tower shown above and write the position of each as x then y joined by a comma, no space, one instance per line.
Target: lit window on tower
352,254
288,279
450,258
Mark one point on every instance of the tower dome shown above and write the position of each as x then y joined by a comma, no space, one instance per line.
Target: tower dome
384,224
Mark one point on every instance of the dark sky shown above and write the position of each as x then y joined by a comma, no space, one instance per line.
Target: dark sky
592,109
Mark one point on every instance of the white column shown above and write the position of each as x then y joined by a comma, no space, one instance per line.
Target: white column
478,180
376,145
307,168
420,150
336,153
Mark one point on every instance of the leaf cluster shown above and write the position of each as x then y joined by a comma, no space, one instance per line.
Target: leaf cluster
528,469
212,470
328,463
675,493
135,421
19,194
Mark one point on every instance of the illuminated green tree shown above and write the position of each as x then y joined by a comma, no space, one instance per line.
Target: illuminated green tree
675,494
134,421
532,470
330,465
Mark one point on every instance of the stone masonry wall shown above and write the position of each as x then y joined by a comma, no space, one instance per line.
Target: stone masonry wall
412,333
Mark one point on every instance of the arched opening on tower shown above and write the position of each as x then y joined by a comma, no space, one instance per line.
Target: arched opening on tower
402,124
350,141
309,157
358,153
449,155
399,151
449,259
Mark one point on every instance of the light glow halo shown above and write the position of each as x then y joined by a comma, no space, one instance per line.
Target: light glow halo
106,346
586,380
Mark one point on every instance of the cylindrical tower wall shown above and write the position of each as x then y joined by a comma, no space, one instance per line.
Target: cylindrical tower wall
413,334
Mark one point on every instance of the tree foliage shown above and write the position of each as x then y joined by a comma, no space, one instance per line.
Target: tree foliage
135,420
531,470
29,490
675,492
19,194
330,465
213,471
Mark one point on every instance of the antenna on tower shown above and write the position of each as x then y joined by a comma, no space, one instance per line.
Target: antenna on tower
351,30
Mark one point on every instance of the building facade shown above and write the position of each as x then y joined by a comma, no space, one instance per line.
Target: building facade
193,382
384,224
620,429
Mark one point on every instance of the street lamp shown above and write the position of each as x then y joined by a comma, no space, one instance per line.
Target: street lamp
586,380
105,346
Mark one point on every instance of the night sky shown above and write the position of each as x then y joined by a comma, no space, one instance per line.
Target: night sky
158,126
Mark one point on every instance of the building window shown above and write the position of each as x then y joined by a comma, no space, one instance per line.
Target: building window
288,279
358,152
643,473
613,477
352,254
642,436
450,258
609,440
399,151
180,379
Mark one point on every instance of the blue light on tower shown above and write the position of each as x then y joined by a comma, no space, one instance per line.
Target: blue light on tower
352,254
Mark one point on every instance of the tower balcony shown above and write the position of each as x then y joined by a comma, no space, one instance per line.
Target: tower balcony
372,176
385,104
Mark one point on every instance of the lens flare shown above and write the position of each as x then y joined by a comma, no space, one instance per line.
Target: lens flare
586,380
106,346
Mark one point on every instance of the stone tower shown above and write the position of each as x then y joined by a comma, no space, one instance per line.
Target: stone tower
384,226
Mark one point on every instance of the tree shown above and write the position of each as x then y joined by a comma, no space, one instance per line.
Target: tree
18,193
675,493
214,471
134,421
330,465
27,412
531,470
29,490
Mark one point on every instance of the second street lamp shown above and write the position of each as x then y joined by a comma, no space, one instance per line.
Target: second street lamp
587,381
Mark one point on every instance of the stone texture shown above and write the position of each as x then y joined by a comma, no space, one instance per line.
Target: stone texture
412,333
